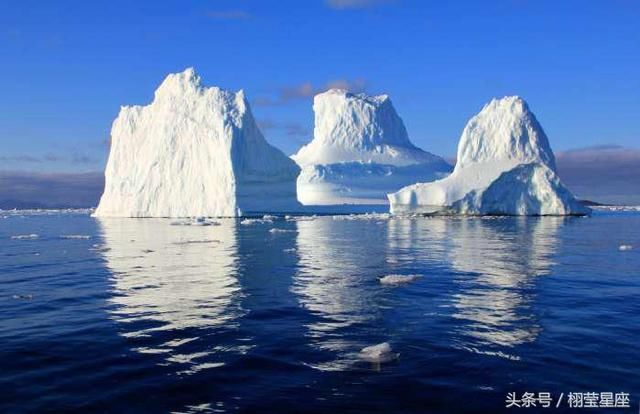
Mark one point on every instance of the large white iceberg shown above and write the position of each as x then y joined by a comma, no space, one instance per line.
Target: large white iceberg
194,151
504,166
360,152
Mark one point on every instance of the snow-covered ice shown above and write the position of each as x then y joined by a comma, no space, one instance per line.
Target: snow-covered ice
360,151
194,151
625,247
378,353
398,279
505,165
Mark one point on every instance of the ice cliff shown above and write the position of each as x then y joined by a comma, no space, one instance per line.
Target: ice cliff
504,166
194,151
360,151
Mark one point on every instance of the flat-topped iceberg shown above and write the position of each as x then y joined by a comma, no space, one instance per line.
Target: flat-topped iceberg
194,151
505,166
360,152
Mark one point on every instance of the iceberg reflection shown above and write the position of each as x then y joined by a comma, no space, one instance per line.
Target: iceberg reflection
502,259
172,285
495,263
337,282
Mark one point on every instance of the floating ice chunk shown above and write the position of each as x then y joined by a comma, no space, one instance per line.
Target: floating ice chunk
275,230
98,248
31,236
616,208
23,297
75,236
300,218
291,250
363,216
198,221
269,217
398,279
248,222
625,247
378,353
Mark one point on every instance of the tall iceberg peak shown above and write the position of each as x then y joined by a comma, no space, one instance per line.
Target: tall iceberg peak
357,127
357,120
360,151
505,166
193,151
178,83
505,130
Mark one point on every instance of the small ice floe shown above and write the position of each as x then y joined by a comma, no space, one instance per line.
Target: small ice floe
625,247
378,353
23,297
75,236
197,221
394,280
276,230
300,218
363,216
344,217
616,208
269,217
291,250
98,248
251,221
31,236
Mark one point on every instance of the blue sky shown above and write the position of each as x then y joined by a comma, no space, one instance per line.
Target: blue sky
67,66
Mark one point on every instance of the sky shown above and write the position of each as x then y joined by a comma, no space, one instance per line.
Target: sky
67,67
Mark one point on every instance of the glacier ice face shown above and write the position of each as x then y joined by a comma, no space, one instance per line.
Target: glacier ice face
360,152
194,151
505,166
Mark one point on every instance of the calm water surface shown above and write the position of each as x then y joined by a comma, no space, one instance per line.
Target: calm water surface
127,315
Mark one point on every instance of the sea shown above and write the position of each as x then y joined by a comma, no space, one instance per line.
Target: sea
271,314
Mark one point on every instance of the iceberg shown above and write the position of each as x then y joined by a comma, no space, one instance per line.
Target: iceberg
505,166
195,151
360,152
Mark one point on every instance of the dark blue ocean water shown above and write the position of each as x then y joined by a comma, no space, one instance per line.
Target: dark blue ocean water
145,316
